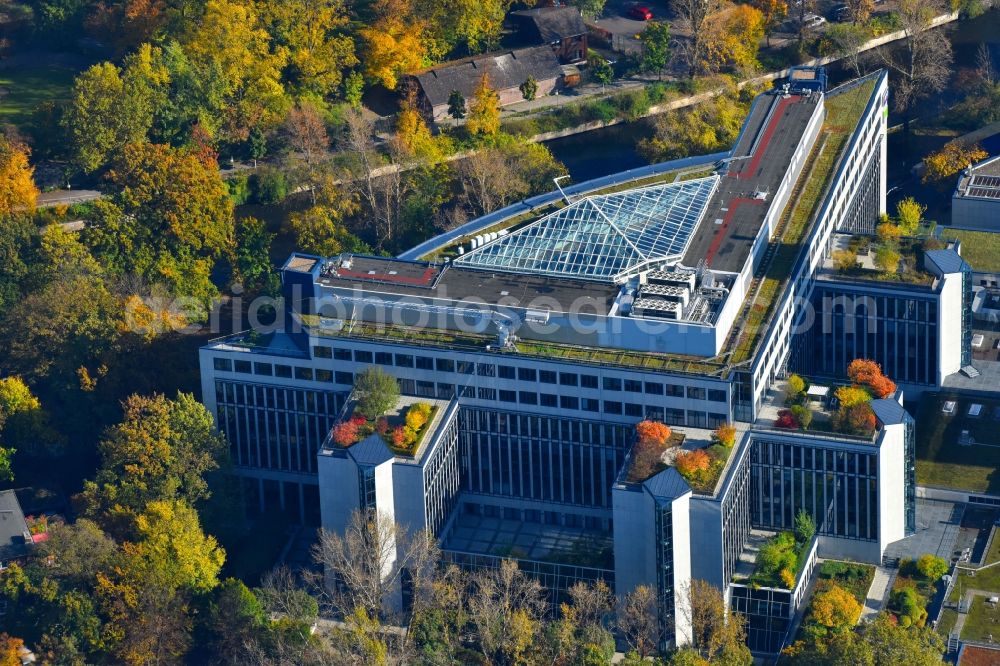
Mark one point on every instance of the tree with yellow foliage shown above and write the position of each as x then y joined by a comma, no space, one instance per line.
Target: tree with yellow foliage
835,608
413,137
394,43
955,156
484,110
733,38
773,12
17,185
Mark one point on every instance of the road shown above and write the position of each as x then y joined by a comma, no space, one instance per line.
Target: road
66,197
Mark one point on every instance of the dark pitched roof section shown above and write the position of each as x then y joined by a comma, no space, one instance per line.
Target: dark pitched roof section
889,412
668,484
15,540
554,23
505,70
946,261
370,451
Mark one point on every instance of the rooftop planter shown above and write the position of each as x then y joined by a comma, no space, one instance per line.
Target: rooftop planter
402,432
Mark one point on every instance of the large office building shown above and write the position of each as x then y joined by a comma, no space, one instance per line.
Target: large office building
540,345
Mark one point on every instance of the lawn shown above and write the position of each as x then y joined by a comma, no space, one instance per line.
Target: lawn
980,248
983,621
24,88
942,461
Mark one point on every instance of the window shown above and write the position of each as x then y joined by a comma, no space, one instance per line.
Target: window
425,363
303,373
466,367
344,378
404,360
612,384
223,364
486,370
407,387
588,381
546,377
696,393
445,390
569,402
444,365
508,396
633,386
716,420
486,393
322,352
363,356
383,358
674,390
655,388
568,379
612,407
425,389
324,375
342,354
697,419
242,366
716,395
506,372
590,405
674,416
632,409
527,398
527,374
282,371
549,400
263,369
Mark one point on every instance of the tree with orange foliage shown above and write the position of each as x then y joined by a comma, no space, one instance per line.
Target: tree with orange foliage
868,373
691,463
836,609
860,419
652,431
725,434
10,650
345,433
17,185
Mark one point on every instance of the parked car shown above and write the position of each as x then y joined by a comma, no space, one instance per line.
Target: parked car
640,13
811,20
840,13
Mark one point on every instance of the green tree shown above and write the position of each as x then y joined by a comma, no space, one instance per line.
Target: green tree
172,550
910,214
103,116
589,8
601,71
171,220
456,105
253,257
893,644
529,89
354,88
376,392
805,526
656,47
234,619
161,451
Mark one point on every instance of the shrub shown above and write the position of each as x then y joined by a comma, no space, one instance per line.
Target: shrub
646,459
382,426
691,463
803,415
857,419
398,437
417,415
345,433
725,435
848,396
931,567
844,260
796,385
653,431
786,420
805,526
910,605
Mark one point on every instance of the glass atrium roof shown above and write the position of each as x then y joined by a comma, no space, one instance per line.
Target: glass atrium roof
603,236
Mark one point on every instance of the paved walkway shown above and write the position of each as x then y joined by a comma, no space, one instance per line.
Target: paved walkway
878,593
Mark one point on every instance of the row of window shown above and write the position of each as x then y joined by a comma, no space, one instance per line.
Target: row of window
466,368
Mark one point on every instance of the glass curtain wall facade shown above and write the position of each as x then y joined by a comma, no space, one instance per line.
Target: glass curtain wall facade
665,585
442,480
837,487
900,332
272,427
541,458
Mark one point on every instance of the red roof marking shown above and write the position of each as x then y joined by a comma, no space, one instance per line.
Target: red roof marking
424,279
717,241
766,139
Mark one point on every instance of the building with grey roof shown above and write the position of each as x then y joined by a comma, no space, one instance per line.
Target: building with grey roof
15,537
506,72
975,203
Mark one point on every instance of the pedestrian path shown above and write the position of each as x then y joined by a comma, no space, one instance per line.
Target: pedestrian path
878,593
